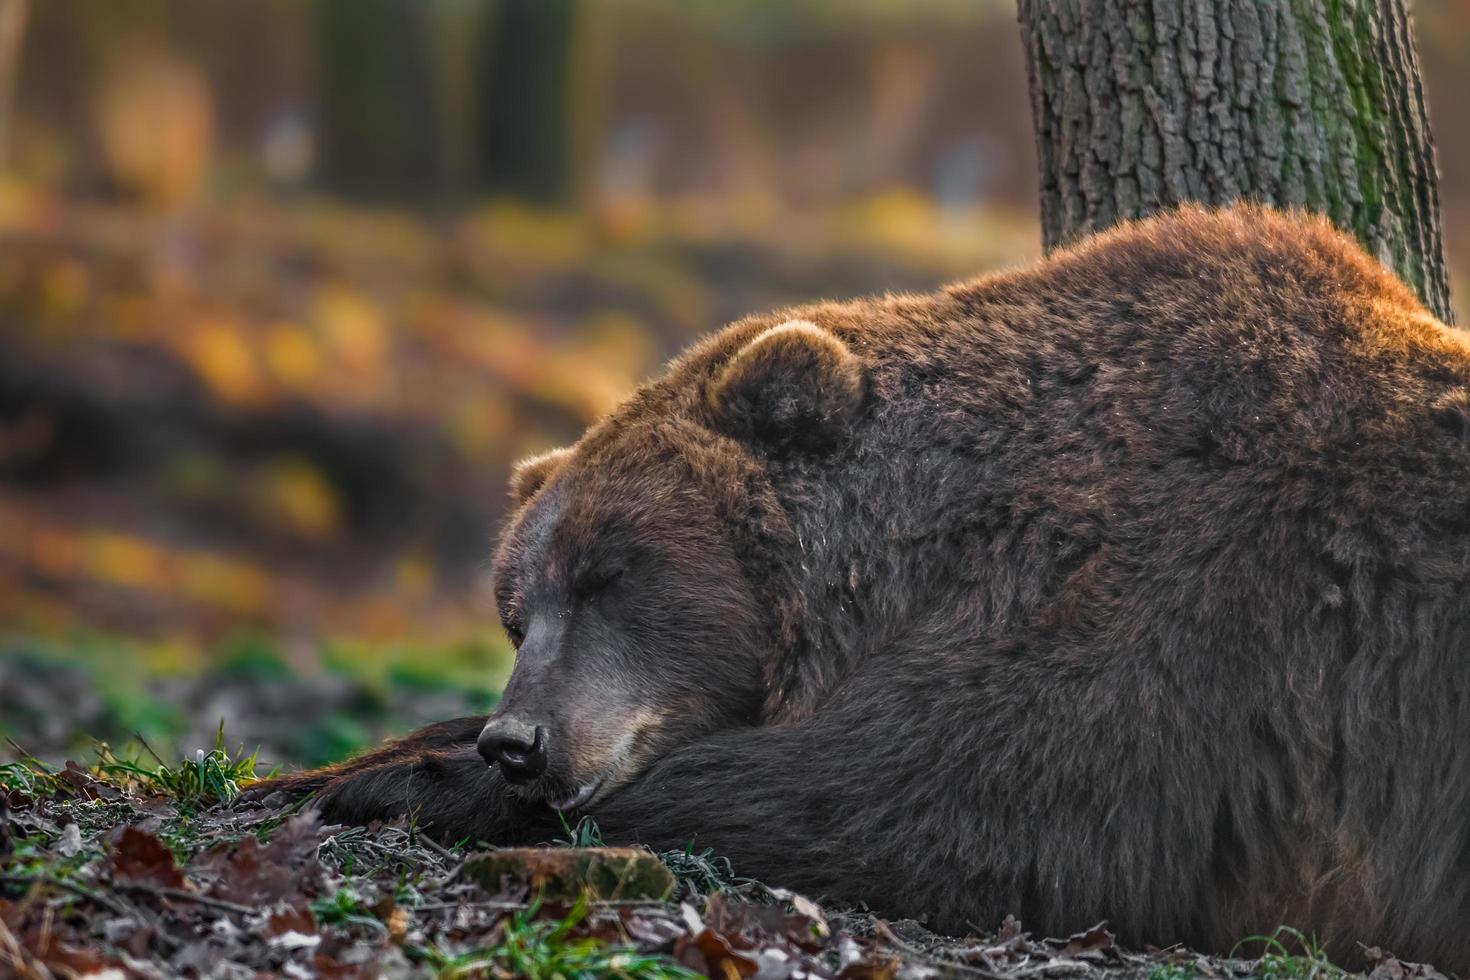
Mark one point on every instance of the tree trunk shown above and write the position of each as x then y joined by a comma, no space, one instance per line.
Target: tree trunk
12,28
1313,103
378,119
526,126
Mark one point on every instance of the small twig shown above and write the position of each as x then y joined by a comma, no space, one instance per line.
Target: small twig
143,888
438,848
454,873
881,930
498,906
400,853
489,906
385,852
148,748
48,921
72,887
1053,967
116,905
14,955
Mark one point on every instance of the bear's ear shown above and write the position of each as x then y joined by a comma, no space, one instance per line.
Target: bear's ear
531,473
794,385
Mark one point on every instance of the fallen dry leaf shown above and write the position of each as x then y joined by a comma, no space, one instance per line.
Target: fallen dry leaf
1385,966
563,874
712,955
1094,943
295,919
139,857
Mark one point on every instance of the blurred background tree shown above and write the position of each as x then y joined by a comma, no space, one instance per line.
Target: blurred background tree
378,111
527,99
1312,104
12,29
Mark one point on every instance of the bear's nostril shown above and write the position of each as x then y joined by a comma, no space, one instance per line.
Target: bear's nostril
518,748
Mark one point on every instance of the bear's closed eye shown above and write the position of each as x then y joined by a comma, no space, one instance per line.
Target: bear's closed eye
592,583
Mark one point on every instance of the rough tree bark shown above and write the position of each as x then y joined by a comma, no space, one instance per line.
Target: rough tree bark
1140,105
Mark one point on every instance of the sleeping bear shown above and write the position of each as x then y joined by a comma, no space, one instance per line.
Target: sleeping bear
1131,585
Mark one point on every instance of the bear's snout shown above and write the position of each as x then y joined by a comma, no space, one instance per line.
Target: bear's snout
518,747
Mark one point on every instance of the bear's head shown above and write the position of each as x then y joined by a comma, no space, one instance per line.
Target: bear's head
641,575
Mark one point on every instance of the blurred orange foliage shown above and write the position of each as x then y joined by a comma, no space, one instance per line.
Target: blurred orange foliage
301,416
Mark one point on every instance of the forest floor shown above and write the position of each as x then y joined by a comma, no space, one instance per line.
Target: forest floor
127,868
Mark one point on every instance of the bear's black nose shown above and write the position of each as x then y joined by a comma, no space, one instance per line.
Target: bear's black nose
519,748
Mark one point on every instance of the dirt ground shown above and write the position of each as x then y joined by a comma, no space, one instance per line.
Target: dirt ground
124,870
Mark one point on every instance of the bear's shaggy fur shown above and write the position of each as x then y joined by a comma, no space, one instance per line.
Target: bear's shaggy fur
1128,586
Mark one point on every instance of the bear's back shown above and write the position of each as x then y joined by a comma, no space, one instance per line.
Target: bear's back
1259,332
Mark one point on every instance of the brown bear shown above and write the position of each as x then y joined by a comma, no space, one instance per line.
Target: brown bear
1128,586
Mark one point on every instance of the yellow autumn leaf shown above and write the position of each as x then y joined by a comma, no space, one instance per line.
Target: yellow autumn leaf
619,342
172,655
232,585
291,355
481,424
223,358
353,328
21,203
528,237
294,493
126,560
